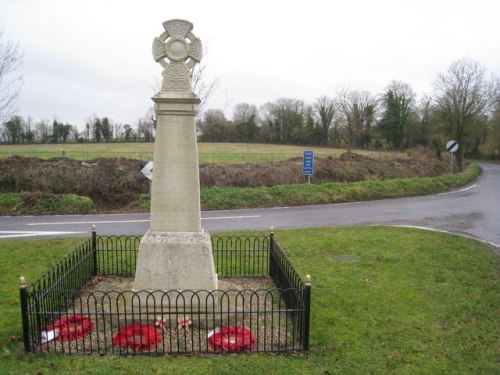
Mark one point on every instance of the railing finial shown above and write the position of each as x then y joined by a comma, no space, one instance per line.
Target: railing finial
22,282
308,280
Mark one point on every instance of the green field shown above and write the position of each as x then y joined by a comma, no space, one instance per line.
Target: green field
208,152
384,301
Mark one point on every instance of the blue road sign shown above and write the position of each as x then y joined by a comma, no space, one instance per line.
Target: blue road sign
308,163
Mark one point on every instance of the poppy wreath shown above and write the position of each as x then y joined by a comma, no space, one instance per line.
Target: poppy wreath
138,336
73,327
232,339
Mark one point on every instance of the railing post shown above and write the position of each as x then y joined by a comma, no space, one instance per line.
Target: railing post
271,255
307,313
94,249
23,293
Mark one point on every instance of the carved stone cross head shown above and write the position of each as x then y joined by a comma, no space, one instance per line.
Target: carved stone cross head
182,49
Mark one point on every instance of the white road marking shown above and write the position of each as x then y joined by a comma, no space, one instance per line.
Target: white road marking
445,231
458,191
23,233
134,221
88,222
229,217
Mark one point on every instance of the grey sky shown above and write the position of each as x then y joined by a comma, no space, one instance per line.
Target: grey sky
94,56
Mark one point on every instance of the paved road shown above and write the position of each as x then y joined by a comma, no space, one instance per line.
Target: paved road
472,211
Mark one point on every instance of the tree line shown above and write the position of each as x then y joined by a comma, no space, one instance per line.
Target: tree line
18,130
465,106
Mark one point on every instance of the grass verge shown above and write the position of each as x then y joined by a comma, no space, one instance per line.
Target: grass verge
44,204
217,198
385,301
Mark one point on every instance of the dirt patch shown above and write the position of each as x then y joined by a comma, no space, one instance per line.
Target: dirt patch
329,169
103,180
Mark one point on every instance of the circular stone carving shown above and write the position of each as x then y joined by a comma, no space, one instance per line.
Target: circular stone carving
177,50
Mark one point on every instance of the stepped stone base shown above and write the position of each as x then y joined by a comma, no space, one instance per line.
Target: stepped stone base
175,261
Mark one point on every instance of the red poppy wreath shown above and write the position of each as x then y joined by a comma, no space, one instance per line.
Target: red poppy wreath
73,327
138,336
232,339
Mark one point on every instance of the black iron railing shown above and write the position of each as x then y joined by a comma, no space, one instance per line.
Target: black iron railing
85,303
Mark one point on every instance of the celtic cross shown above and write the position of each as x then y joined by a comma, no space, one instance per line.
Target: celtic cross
183,50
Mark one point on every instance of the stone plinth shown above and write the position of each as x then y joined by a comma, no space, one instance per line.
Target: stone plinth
175,261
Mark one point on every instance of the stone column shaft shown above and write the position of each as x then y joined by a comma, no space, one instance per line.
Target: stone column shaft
175,194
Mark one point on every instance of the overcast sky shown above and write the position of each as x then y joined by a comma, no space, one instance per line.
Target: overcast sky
93,57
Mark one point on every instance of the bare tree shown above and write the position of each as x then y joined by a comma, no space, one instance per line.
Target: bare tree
43,131
92,127
146,126
118,132
464,97
10,83
202,87
358,114
244,112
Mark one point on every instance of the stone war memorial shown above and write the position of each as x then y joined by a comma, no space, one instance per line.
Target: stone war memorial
176,289
176,253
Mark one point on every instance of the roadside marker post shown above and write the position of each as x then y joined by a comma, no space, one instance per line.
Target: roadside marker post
147,169
147,172
452,147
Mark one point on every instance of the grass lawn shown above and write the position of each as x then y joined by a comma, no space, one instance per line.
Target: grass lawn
384,300
208,152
